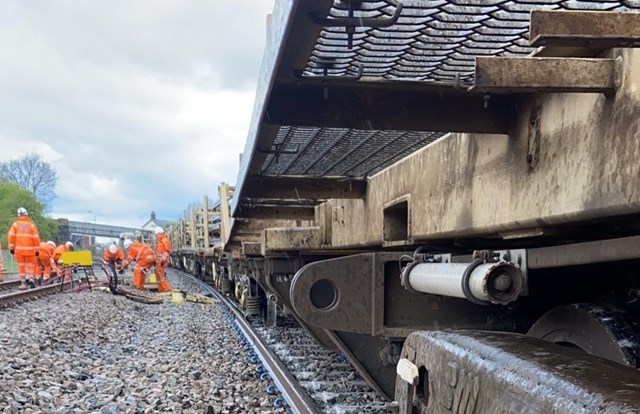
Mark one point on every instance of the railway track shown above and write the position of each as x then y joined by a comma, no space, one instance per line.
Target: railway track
331,382
10,295
9,285
310,378
15,297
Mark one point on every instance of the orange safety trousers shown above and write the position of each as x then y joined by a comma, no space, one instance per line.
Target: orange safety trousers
140,271
44,267
26,265
161,264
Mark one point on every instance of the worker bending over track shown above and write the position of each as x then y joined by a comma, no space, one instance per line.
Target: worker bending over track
113,255
24,243
113,258
57,254
46,265
163,252
145,258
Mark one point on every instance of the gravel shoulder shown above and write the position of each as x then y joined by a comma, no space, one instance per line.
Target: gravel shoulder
95,352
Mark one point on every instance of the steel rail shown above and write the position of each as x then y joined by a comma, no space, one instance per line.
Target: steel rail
14,297
9,284
293,393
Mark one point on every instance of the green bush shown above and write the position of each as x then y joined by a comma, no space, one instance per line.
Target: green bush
11,198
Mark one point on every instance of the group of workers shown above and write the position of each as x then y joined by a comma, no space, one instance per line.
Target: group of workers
42,260
35,259
145,259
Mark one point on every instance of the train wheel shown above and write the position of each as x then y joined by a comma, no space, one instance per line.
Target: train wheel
606,331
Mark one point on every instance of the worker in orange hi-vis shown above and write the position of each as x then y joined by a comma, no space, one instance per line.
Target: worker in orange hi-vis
24,242
113,254
1,268
113,257
145,259
163,252
46,265
57,256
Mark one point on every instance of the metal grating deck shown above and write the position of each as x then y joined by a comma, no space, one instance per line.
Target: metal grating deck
432,41
424,59
435,40
341,152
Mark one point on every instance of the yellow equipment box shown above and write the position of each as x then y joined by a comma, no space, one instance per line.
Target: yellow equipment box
81,258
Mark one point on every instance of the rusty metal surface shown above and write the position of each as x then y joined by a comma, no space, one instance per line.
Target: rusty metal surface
597,29
466,372
291,238
9,284
532,75
29,294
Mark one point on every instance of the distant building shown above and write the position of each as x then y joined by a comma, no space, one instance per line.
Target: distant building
154,222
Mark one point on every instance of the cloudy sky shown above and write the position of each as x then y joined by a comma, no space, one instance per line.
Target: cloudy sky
139,105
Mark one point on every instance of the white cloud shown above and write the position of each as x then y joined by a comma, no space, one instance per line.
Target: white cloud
139,106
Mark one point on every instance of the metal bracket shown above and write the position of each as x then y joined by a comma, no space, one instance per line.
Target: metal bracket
442,258
350,23
518,257
277,151
533,154
326,77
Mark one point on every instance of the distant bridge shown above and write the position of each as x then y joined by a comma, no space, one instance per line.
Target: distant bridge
67,228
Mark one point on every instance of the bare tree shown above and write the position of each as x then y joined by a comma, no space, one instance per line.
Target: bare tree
31,173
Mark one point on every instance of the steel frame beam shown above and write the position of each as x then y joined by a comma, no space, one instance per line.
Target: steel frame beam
367,107
626,248
276,212
593,29
533,74
303,187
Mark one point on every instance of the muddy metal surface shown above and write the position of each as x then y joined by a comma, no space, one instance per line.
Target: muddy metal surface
466,372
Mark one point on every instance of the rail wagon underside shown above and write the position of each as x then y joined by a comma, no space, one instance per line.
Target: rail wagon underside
448,193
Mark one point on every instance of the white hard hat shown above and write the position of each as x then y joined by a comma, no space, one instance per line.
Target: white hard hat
22,211
113,249
127,243
50,243
159,230
69,245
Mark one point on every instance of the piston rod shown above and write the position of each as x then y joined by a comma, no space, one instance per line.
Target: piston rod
479,282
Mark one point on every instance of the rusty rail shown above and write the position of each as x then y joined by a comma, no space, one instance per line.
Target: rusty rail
9,284
24,295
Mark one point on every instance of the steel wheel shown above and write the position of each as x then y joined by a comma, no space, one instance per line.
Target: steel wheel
606,331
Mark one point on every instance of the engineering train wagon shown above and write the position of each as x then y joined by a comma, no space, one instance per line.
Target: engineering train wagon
448,193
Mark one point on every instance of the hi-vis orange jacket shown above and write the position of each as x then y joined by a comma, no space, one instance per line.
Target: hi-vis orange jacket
108,256
138,251
23,237
46,251
59,251
163,246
